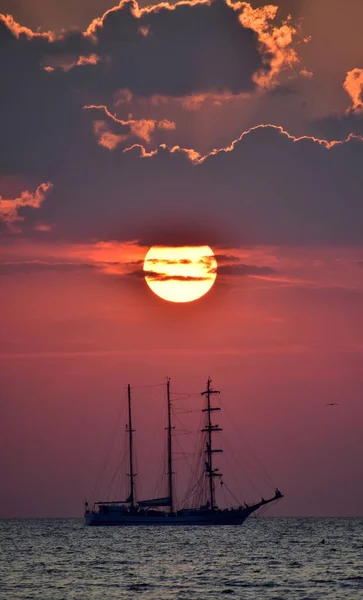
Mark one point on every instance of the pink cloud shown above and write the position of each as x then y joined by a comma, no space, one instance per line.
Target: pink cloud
9,208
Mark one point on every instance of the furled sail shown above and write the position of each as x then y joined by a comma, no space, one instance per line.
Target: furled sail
155,502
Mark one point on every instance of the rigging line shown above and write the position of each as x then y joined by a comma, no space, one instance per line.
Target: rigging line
115,475
190,493
224,496
244,439
182,452
162,465
187,461
182,427
181,398
108,447
186,394
120,468
186,412
232,494
190,464
197,473
240,468
250,448
243,466
148,385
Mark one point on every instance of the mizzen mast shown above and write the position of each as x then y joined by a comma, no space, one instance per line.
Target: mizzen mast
209,429
130,431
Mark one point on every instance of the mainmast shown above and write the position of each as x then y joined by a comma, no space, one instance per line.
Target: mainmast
170,449
131,497
209,429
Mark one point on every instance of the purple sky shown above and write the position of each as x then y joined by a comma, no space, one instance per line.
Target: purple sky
229,124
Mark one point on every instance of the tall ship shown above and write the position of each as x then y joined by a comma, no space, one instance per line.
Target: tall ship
160,511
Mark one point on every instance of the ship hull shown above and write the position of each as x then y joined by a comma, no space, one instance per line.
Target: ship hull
206,519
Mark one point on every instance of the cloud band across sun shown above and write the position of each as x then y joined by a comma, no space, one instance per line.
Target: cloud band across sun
180,274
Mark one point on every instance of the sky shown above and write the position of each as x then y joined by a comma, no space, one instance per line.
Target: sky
237,125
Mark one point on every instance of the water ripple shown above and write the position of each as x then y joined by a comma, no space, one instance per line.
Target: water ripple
264,559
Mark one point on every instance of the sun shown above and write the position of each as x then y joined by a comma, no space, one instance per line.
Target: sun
180,274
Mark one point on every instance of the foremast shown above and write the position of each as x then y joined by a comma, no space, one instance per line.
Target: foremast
132,474
209,429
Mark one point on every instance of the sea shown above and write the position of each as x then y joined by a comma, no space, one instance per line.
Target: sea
265,558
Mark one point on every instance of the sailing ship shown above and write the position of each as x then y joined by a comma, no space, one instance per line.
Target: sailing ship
162,511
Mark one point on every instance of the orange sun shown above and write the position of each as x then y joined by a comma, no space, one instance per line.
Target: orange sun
180,274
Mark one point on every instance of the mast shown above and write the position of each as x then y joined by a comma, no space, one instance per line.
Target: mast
209,429
131,498
170,448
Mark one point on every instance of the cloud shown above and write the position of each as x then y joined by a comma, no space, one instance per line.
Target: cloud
266,187
226,258
245,270
192,51
19,31
189,102
10,210
151,275
31,266
341,125
67,63
353,84
276,41
139,128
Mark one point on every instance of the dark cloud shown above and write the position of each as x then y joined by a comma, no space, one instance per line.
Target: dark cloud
186,50
164,277
270,189
283,90
192,48
152,275
267,188
226,258
245,270
338,127
29,267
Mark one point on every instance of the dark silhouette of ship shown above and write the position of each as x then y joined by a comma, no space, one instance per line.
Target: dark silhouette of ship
161,511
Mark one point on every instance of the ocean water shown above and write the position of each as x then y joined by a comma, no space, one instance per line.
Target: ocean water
265,558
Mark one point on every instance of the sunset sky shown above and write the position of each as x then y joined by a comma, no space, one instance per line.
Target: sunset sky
237,125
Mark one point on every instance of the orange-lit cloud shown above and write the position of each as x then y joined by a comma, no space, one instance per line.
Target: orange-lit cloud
353,84
9,208
306,73
197,157
138,12
44,227
66,63
107,138
276,42
141,128
19,30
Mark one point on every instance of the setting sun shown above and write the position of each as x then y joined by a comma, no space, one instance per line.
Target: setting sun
180,274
